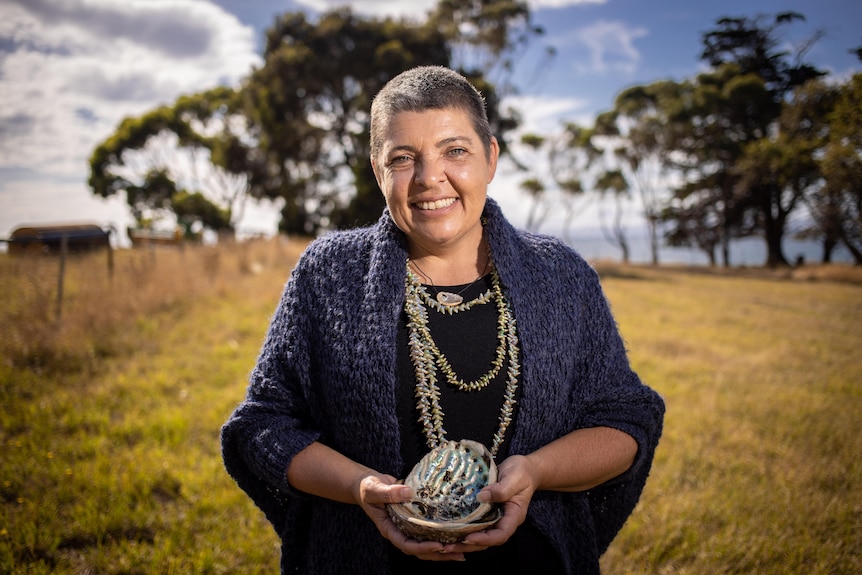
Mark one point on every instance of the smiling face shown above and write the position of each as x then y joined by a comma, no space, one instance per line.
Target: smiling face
434,172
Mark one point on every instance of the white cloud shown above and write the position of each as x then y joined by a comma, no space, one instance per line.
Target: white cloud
611,46
71,70
416,9
544,114
76,69
539,4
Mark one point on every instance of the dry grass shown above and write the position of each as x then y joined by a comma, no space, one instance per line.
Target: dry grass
758,468
109,417
99,305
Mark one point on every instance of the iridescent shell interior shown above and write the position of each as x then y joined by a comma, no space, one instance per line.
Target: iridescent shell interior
446,482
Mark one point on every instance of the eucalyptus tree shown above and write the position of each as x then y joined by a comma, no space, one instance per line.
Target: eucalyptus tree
701,127
488,36
534,186
614,183
154,157
784,166
307,108
641,132
573,159
308,104
839,203
766,76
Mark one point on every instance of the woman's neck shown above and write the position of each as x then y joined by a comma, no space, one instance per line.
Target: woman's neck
447,268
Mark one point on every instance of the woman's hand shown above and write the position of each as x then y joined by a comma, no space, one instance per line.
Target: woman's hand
373,493
514,489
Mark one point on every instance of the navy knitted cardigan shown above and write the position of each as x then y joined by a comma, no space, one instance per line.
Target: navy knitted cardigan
327,372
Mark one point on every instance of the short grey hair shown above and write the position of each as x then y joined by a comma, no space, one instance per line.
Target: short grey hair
428,88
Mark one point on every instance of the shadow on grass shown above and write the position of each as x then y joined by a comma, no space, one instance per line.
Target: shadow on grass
612,270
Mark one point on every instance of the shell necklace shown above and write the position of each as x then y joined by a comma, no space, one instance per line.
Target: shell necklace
448,301
427,358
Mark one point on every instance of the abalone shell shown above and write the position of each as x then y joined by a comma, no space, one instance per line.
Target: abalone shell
446,482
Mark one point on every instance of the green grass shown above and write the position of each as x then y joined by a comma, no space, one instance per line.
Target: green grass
109,428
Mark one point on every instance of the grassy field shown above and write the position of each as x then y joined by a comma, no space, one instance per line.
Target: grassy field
109,415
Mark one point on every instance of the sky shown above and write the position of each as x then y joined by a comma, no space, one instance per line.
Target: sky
71,70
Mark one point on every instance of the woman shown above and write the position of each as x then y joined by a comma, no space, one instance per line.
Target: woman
338,406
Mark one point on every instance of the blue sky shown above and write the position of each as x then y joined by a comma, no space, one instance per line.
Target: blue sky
70,70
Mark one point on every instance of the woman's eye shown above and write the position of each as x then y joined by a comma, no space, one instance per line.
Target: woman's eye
456,152
399,160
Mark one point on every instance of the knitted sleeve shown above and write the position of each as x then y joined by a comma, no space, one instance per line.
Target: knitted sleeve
273,423
615,398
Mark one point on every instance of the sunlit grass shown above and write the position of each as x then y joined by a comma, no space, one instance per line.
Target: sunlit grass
114,466
109,429
758,467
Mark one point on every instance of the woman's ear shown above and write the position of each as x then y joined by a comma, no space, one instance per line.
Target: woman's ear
493,156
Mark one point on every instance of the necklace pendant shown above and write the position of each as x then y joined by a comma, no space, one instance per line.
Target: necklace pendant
448,298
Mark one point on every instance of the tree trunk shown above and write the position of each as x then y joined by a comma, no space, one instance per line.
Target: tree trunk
773,229
653,238
828,247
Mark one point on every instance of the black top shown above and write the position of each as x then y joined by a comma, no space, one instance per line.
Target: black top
469,341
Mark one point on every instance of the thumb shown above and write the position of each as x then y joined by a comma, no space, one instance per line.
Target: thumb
376,492
489,494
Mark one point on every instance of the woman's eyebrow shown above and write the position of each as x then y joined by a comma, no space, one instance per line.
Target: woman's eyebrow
446,141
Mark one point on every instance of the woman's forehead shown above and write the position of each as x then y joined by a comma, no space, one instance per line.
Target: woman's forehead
437,123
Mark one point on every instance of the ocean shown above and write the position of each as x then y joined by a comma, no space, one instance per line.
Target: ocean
750,252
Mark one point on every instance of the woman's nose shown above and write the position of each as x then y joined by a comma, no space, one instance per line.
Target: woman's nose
429,172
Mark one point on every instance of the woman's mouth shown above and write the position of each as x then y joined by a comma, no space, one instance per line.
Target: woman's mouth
435,205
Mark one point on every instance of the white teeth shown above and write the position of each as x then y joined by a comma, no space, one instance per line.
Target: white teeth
435,205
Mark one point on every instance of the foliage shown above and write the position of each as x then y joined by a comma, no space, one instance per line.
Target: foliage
487,35
570,157
753,45
640,132
839,203
614,182
308,110
192,209
754,77
134,160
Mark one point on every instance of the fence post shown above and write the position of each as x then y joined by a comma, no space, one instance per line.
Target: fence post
110,261
64,247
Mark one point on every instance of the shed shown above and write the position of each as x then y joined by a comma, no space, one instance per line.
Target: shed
49,238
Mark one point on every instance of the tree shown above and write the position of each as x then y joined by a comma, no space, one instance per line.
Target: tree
534,187
782,166
613,182
194,210
190,142
571,157
838,205
752,46
487,35
308,105
641,134
710,120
